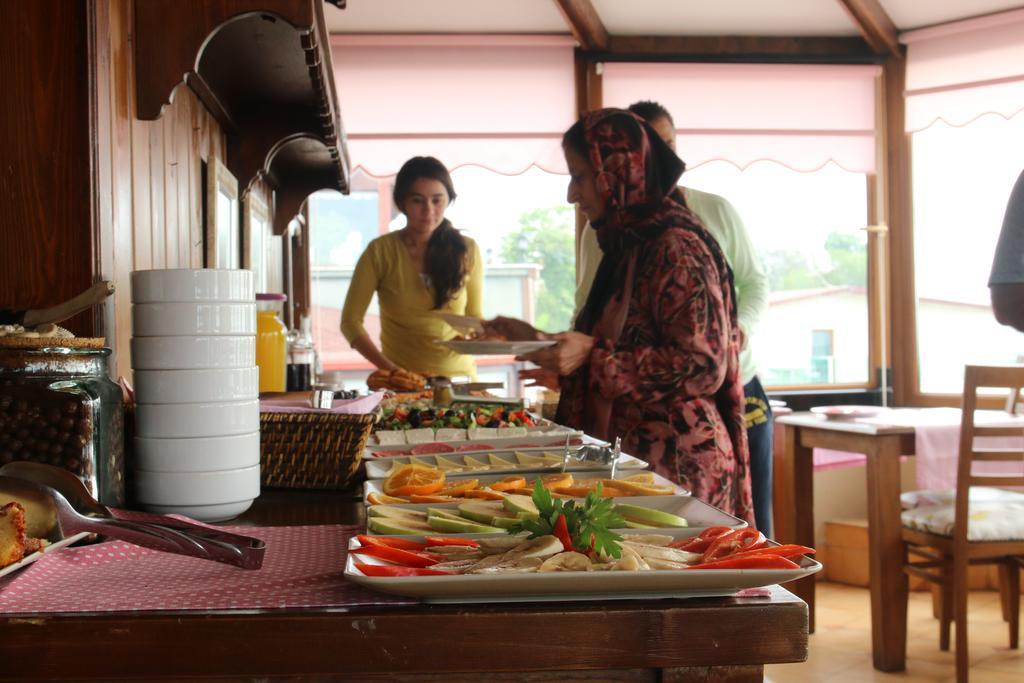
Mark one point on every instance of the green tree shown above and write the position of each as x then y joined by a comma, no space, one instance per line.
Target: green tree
546,237
849,256
791,269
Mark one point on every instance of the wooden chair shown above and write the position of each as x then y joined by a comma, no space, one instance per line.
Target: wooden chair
949,551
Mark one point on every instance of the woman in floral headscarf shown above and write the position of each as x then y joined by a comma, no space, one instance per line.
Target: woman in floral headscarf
653,356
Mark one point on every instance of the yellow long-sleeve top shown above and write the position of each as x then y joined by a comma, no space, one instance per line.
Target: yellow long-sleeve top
408,323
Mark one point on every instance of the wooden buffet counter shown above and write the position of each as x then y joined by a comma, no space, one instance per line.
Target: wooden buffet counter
700,639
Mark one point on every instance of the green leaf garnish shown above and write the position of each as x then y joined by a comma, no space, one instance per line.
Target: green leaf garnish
590,524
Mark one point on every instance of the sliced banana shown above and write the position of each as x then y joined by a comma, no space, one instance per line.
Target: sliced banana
521,565
498,544
649,539
661,553
566,562
630,561
456,552
542,547
457,566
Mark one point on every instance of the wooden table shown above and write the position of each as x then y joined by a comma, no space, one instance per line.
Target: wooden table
794,481
722,639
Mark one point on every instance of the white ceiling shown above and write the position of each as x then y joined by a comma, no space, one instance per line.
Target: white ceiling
645,17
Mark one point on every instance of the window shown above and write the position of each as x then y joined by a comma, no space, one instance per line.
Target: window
962,178
808,230
822,356
522,224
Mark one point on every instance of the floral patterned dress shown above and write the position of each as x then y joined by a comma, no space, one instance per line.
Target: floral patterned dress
664,372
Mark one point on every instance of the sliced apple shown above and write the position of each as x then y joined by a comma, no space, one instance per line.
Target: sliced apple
650,516
461,526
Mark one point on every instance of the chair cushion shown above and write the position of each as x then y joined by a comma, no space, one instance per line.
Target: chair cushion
913,499
989,520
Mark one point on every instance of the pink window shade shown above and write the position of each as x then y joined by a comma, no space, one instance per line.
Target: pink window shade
801,116
960,71
501,102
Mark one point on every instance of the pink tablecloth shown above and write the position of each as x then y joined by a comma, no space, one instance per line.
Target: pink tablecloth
937,442
303,567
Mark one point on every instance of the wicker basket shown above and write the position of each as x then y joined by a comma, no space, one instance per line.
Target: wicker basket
312,450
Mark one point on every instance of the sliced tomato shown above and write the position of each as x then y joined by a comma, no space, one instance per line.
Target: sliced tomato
561,532
787,551
406,558
391,570
384,542
749,562
448,540
733,542
700,543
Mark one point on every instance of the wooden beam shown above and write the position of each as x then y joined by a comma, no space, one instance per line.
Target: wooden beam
894,190
740,48
585,23
875,25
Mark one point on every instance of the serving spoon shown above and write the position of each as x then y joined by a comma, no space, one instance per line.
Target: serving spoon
63,497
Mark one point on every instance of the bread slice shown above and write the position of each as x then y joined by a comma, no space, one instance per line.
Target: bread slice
12,534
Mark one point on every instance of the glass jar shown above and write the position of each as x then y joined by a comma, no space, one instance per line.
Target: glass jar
271,343
58,406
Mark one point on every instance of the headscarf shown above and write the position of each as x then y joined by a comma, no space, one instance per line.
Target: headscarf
636,175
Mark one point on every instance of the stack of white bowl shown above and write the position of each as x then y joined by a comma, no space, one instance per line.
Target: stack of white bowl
197,419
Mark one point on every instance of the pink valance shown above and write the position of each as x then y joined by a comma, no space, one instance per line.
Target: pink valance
962,70
501,102
802,116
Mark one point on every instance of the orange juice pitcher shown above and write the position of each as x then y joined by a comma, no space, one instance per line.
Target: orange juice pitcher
271,342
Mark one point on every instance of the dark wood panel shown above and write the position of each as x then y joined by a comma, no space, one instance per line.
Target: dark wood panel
45,178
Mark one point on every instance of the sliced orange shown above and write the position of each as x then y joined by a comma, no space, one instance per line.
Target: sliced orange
526,491
582,491
554,482
460,488
509,483
413,479
380,499
434,499
485,493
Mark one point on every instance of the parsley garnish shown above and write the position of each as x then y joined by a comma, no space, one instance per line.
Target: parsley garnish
590,524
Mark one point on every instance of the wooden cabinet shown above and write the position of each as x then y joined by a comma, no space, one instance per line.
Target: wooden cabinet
112,113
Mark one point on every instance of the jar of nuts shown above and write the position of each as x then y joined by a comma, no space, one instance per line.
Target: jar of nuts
59,406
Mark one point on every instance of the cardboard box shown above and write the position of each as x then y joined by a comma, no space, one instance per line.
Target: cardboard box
845,558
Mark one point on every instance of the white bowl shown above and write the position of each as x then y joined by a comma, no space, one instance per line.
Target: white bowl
193,353
197,488
196,386
185,284
173,319
195,420
204,454
203,513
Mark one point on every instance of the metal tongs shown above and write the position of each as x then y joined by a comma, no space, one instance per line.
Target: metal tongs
602,455
66,500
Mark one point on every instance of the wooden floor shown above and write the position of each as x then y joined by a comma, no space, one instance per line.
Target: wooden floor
840,650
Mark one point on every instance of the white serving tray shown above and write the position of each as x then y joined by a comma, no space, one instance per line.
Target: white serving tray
544,435
377,485
378,468
560,586
698,514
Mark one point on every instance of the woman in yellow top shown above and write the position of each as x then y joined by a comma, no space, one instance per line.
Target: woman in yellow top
426,267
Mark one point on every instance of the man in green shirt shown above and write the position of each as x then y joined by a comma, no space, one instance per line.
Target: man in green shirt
725,225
